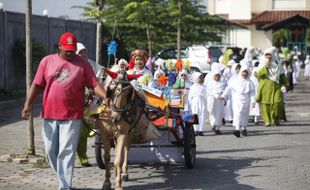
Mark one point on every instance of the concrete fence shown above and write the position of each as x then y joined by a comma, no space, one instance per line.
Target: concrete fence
46,31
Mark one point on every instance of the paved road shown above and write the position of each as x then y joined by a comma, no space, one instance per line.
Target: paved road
269,158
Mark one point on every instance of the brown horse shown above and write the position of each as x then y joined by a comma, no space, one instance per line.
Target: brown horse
116,127
124,126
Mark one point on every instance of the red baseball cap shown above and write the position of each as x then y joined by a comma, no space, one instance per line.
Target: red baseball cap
68,41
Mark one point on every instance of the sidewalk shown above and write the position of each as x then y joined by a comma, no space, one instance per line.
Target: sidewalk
269,158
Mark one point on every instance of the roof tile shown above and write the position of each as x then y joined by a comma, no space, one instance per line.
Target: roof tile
267,17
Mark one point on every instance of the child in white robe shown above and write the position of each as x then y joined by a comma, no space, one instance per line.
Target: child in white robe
243,92
255,111
228,114
215,106
307,68
197,100
296,69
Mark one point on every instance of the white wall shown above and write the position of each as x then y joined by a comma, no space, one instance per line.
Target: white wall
240,9
55,8
261,39
242,38
289,4
211,7
259,6
222,6
307,4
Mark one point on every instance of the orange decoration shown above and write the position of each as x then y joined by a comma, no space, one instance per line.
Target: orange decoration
162,80
178,65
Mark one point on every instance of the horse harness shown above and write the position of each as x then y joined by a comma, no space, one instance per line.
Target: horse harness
126,110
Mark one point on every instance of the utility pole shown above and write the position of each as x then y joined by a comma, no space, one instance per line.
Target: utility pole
30,130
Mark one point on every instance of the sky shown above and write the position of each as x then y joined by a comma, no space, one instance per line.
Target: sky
55,8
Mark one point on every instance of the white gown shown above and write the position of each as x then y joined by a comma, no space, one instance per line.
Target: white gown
197,100
307,68
256,110
215,106
243,92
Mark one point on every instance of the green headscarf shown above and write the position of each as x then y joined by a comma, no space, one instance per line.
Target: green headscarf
227,56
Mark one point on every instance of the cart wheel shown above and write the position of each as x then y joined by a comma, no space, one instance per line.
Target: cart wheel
98,152
189,139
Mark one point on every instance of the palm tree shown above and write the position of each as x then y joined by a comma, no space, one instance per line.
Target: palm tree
280,37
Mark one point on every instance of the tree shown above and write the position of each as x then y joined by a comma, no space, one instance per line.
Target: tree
94,11
137,13
30,131
152,24
279,37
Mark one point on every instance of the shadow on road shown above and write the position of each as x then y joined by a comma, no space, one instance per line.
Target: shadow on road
13,115
214,173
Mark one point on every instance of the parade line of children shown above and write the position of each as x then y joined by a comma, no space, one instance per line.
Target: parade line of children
233,91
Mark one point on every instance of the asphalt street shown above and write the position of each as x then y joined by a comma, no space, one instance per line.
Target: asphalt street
268,158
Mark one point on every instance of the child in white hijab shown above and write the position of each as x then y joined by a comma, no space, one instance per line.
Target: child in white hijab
307,68
215,106
243,92
255,111
197,100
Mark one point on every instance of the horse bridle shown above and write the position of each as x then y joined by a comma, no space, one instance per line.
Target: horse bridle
119,89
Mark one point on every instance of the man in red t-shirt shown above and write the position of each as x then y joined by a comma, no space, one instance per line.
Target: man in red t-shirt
63,76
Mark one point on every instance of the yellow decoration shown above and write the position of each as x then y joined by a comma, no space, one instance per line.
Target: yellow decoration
169,65
153,100
145,79
187,64
94,111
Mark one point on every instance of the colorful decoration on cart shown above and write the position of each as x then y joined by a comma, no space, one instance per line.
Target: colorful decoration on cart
178,65
187,65
145,79
170,65
153,91
112,48
172,77
162,80
175,98
128,76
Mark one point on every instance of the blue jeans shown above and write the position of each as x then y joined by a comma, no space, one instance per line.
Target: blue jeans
61,139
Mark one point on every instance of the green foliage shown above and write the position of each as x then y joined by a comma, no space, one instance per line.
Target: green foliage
159,17
19,54
279,37
308,36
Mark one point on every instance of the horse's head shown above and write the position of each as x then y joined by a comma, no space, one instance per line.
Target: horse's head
121,93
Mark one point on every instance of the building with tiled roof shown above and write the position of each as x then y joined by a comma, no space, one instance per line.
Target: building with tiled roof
262,19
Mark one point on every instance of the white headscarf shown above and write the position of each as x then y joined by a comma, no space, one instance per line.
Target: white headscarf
158,73
217,66
243,84
231,62
253,78
123,61
248,54
216,72
275,68
183,72
196,76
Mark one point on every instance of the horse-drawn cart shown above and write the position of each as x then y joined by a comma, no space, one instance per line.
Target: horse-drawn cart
167,118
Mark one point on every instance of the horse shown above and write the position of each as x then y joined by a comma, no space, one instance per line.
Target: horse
125,124
116,127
